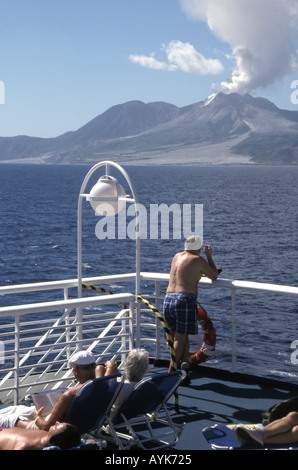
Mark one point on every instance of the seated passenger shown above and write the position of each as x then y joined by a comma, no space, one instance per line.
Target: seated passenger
83,366
135,367
62,435
281,431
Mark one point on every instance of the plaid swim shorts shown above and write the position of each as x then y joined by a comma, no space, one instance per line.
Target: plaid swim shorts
180,312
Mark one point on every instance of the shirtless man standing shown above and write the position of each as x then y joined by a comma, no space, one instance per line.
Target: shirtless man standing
180,303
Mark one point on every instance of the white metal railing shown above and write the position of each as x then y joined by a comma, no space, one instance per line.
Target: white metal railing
227,314
39,339
37,345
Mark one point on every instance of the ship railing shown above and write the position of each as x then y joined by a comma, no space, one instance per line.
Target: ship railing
39,338
255,331
256,325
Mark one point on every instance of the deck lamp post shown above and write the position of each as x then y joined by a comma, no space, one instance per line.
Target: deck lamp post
107,197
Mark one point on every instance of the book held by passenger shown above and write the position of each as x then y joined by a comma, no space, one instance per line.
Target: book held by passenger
47,399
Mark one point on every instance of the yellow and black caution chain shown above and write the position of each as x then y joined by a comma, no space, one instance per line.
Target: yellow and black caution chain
166,330
163,323
169,341
101,289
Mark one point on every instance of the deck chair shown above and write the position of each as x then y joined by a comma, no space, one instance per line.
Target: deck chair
93,402
139,414
89,409
221,437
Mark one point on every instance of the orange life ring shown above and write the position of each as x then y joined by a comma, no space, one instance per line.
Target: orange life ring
208,345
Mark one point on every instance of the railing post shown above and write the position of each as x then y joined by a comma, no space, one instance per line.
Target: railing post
234,341
67,336
123,339
137,322
157,322
17,359
130,326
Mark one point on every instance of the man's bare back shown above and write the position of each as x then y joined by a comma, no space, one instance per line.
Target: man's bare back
187,269
181,314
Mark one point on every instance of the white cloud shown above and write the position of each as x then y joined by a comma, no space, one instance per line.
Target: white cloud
262,35
148,61
180,56
185,57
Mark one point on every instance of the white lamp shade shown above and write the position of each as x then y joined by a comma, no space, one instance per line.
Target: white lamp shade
104,196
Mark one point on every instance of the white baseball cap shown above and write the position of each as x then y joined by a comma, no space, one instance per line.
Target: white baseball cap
193,243
82,358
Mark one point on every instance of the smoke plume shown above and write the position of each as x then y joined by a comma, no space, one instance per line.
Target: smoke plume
262,35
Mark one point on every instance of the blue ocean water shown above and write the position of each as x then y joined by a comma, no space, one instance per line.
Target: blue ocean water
250,220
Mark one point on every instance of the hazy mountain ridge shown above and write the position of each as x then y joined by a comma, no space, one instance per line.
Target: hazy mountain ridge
224,129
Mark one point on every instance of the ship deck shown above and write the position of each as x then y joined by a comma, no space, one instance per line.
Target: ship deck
218,397
38,338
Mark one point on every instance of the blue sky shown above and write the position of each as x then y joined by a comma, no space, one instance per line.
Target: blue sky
64,62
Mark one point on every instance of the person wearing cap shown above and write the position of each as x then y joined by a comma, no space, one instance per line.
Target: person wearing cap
180,302
84,368
83,364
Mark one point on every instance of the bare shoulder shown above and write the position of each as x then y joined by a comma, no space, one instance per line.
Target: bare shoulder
72,391
178,255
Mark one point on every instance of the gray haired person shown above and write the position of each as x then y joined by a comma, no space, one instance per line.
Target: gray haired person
135,367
